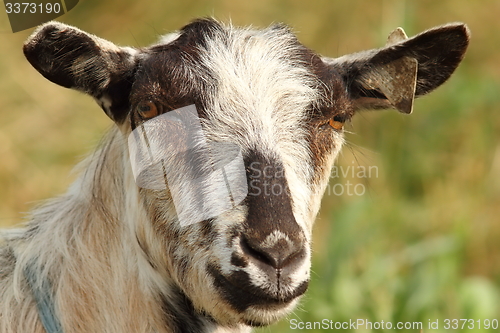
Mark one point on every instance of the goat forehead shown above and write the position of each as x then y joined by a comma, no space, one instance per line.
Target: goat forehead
263,94
263,72
252,86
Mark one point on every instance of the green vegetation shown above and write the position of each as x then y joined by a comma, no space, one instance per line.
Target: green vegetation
421,243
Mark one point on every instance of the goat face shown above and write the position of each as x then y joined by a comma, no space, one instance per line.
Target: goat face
281,105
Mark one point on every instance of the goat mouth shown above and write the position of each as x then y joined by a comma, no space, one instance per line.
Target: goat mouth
241,294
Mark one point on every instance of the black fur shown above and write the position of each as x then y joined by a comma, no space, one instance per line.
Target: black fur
438,52
55,50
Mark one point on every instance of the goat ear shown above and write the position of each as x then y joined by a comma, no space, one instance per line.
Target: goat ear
75,59
404,69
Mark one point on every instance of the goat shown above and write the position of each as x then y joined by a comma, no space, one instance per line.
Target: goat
119,253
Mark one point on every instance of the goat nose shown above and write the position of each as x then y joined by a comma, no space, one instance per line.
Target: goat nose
282,253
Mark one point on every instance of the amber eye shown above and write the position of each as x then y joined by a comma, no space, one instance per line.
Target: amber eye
335,124
147,110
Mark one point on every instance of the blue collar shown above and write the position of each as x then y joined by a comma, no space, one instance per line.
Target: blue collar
42,294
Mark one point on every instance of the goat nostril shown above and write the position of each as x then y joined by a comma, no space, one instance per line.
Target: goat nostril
280,255
256,253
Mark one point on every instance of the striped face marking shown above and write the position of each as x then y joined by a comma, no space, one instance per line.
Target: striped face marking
263,93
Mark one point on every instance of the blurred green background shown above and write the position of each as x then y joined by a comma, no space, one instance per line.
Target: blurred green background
422,242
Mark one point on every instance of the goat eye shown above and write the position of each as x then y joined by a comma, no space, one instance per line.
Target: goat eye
147,110
336,123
